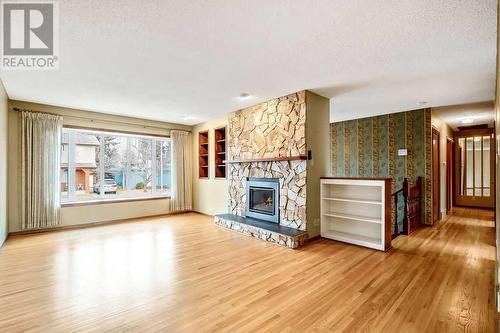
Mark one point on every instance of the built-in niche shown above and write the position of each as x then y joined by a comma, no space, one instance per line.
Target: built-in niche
203,154
220,152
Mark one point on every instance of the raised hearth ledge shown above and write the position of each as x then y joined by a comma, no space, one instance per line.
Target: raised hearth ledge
268,231
269,159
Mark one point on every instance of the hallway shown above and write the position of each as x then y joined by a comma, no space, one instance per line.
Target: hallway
455,273
181,273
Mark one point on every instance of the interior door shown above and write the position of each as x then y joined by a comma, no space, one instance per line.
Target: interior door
474,168
449,173
435,175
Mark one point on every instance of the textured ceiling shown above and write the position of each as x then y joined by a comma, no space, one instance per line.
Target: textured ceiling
188,61
480,113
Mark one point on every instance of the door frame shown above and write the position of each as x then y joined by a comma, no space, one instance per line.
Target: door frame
435,131
450,162
480,202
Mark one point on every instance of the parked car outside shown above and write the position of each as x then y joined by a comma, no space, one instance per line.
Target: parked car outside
109,186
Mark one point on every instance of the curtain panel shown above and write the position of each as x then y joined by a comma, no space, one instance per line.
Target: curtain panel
40,163
182,197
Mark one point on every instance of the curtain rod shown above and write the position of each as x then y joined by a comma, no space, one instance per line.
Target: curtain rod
110,121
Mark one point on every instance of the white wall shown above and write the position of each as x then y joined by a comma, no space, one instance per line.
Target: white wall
3,163
210,196
88,213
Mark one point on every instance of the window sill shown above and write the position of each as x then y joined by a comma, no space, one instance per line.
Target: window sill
111,201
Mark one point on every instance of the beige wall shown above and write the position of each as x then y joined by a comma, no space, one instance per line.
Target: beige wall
445,132
210,196
73,117
318,142
3,163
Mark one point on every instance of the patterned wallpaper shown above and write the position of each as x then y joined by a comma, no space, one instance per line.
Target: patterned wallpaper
368,148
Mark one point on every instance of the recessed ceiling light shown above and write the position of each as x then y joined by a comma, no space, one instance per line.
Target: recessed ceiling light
189,117
467,120
422,103
244,95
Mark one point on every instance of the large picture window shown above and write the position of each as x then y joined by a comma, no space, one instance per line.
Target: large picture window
99,166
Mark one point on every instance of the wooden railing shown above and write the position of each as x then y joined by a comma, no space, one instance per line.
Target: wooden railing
412,196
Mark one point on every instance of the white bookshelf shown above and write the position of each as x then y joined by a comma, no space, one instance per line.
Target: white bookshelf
357,211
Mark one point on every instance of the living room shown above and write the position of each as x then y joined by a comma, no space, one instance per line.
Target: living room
244,167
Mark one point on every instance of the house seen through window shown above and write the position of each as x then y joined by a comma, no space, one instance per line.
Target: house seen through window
99,165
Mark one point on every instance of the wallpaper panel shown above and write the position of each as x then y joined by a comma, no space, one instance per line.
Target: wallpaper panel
368,147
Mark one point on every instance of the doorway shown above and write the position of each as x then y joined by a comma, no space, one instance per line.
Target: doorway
474,168
436,179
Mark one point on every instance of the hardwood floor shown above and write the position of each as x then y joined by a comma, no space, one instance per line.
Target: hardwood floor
183,274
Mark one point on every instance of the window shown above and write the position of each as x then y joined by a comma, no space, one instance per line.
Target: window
474,162
100,165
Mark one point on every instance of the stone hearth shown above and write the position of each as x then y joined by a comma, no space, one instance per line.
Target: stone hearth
267,231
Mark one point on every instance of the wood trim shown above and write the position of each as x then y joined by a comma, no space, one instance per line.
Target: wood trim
270,159
203,154
435,131
92,224
388,210
220,152
204,214
360,178
450,151
117,131
110,201
472,132
462,200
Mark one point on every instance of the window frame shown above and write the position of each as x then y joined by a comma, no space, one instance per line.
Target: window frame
100,170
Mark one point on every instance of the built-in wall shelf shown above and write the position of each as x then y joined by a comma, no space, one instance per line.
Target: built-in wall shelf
357,211
220,152
371,202
270,159
203,154
355,217
355,239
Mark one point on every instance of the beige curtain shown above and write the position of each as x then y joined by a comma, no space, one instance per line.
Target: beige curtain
182,197
40,163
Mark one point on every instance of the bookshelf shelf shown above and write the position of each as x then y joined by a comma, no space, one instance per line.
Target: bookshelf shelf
220,152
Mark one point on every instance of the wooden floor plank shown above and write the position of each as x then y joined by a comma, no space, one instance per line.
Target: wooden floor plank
183,274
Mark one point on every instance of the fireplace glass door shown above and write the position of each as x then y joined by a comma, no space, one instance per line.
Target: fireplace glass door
262,200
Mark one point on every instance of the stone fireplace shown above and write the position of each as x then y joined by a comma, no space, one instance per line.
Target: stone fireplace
269,141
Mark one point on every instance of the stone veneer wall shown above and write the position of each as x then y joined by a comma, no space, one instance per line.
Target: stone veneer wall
271,129
292,176
274,128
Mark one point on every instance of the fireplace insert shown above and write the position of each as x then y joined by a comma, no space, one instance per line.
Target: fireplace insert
263,199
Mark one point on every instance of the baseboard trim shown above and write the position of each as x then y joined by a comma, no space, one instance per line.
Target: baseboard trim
204,214
93,224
